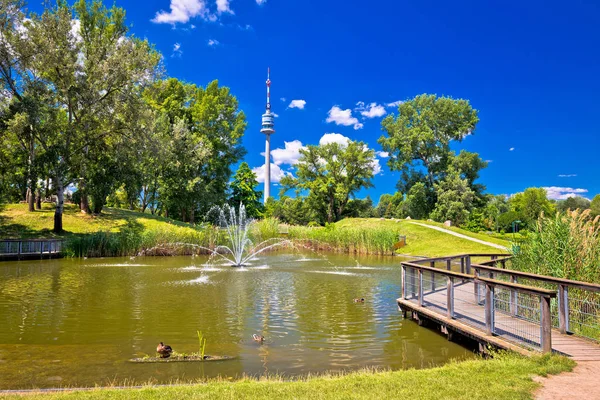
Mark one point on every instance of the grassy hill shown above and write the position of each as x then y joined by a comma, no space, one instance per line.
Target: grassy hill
123,232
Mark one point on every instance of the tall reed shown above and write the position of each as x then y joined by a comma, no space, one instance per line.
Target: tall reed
566,246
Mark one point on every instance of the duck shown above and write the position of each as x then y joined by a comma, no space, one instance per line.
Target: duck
164,350
359,300
258,338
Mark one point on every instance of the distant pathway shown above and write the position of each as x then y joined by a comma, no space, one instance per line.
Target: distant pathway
582,383
460,235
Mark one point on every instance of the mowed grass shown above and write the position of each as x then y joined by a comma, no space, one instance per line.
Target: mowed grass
506,376
481,236
18,223
118,232
422,241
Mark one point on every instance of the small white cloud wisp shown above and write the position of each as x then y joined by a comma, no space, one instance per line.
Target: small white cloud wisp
343,117
297,104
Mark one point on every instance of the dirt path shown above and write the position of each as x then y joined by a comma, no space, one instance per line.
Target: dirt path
582,383
460,235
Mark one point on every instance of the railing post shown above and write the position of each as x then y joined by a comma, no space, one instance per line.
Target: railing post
19,251
563,308
420,296
545,325
503,262
449,264
476,286
489,309
450,296
403,288
432,281
514,298
413,283
462,265
468,264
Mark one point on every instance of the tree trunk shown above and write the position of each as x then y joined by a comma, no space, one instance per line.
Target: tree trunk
183,212
30,199
47,191
84,202
38,203
58,212
192,216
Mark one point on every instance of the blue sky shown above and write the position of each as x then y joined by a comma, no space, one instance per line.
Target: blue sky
531,68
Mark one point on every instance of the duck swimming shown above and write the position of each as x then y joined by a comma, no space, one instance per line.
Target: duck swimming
258,338
359,300
164,350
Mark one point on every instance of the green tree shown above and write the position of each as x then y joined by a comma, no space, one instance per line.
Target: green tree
243,191
420,136
331,174
455,199
531,203
204,127
595,205
573,203
95,75
417,203
468,165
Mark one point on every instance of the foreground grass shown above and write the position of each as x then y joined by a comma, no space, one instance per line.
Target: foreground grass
119,232
507,376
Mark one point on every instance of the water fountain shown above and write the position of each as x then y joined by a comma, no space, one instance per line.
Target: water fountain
241,249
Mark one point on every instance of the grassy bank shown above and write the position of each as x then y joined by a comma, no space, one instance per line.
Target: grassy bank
119,232
507,376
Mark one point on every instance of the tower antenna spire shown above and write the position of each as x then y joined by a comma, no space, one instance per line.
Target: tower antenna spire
268,125
268,88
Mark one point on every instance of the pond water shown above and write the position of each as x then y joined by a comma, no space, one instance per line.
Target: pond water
75,322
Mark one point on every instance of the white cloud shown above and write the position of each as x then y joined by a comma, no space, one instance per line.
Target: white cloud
511,149
394,103
182,11
223,7
288,155
343,117
297,104
382,154
371,111
376,166
213,42
489,161
177,52
567,175
261,2
282,99
561,193
334,138
76,29
275,115
276,173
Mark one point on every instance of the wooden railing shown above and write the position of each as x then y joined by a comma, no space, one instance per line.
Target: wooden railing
564,310
18,248
414,287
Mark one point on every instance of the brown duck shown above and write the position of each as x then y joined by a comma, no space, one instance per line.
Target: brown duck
359,300
164,350
258,338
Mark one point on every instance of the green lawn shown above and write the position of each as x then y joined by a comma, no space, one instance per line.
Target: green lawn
123,232
16,222
481,236
422,241
507,376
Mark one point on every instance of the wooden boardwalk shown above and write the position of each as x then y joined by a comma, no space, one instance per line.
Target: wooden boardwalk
501,313
511,333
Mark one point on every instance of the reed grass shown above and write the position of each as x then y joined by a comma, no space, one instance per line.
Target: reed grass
567,246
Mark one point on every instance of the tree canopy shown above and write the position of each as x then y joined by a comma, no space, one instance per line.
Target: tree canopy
331,174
